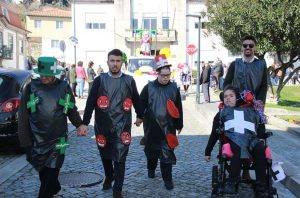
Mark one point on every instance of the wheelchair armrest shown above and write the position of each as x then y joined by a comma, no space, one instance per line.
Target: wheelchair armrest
268,134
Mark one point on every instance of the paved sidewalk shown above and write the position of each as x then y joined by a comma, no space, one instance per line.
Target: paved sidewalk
192,174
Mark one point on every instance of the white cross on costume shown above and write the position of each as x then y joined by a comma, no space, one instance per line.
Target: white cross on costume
238,123
54,67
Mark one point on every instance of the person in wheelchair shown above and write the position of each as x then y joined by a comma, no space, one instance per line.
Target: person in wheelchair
215,136
240,120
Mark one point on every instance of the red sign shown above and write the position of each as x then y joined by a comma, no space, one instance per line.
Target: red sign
191,49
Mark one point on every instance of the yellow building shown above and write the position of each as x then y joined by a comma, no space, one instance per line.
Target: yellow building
50,30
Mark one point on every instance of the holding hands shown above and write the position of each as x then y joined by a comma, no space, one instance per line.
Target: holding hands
138,122
207,158
82,130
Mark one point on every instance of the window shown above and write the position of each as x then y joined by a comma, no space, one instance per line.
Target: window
150,23
10,45
88,25
102,25
134,24
10,41
37,23
59,25
21,45
1,42
5,12
203,25
95,21
54,43
165,23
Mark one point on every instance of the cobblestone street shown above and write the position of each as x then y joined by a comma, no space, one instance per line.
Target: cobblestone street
191,174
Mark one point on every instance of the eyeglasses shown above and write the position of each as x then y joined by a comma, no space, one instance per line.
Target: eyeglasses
248,45
165,75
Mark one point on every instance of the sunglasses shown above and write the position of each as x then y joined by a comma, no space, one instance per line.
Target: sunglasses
248,45
165,75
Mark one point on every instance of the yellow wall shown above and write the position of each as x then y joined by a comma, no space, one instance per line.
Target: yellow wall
48,27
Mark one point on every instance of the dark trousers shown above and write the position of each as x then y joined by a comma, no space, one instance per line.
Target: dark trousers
259,161
116,170
49,182
166,169
74,88
205,89
90,86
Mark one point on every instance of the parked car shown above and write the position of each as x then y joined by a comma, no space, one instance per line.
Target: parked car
12,83
143,70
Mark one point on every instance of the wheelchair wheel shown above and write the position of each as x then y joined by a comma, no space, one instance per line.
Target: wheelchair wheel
214,181
272,191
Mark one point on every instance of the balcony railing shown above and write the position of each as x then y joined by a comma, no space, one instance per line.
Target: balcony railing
159,35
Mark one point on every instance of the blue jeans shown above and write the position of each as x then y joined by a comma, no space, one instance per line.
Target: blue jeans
80,86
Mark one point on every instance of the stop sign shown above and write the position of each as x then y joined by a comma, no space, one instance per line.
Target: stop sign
191,49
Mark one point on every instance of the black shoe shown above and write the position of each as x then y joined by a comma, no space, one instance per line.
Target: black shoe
230,188
107,183
117,194
58,188
169,185
260,190
151,173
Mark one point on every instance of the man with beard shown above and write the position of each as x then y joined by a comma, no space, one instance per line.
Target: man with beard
161,104
112,96
250,73
46,103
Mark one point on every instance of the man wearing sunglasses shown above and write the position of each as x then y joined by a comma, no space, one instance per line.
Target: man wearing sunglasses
250,73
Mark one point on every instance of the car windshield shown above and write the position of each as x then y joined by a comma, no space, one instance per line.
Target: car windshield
9,87
137,64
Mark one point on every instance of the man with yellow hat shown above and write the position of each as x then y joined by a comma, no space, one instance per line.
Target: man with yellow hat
45,105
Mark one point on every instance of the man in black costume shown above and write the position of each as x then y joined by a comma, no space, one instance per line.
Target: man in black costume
46,103
112,96
250,73
161,104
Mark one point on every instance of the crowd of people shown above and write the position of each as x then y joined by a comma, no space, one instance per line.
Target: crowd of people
48,101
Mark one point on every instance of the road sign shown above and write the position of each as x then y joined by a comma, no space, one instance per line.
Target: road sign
62,46
73,40
191,49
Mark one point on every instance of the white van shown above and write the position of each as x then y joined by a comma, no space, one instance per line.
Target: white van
143,70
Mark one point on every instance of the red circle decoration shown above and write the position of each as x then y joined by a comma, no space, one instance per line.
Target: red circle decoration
126,138
101,140
191,49
127,104
103,102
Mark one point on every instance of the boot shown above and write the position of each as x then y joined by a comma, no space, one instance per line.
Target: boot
117,194
151,173
261,190
246,176
230,188
107,182
169,185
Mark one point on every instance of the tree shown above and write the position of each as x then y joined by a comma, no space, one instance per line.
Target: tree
27,3
274,23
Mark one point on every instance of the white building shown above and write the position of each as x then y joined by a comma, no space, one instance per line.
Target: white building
101,25
12,39
94,27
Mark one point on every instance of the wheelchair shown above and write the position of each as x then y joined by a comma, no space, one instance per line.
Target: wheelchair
220,171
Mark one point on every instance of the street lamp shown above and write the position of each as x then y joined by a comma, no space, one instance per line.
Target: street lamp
74,33
198,59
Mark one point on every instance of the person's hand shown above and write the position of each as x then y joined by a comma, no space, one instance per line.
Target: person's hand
138,122
82,130
179,131
207,158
